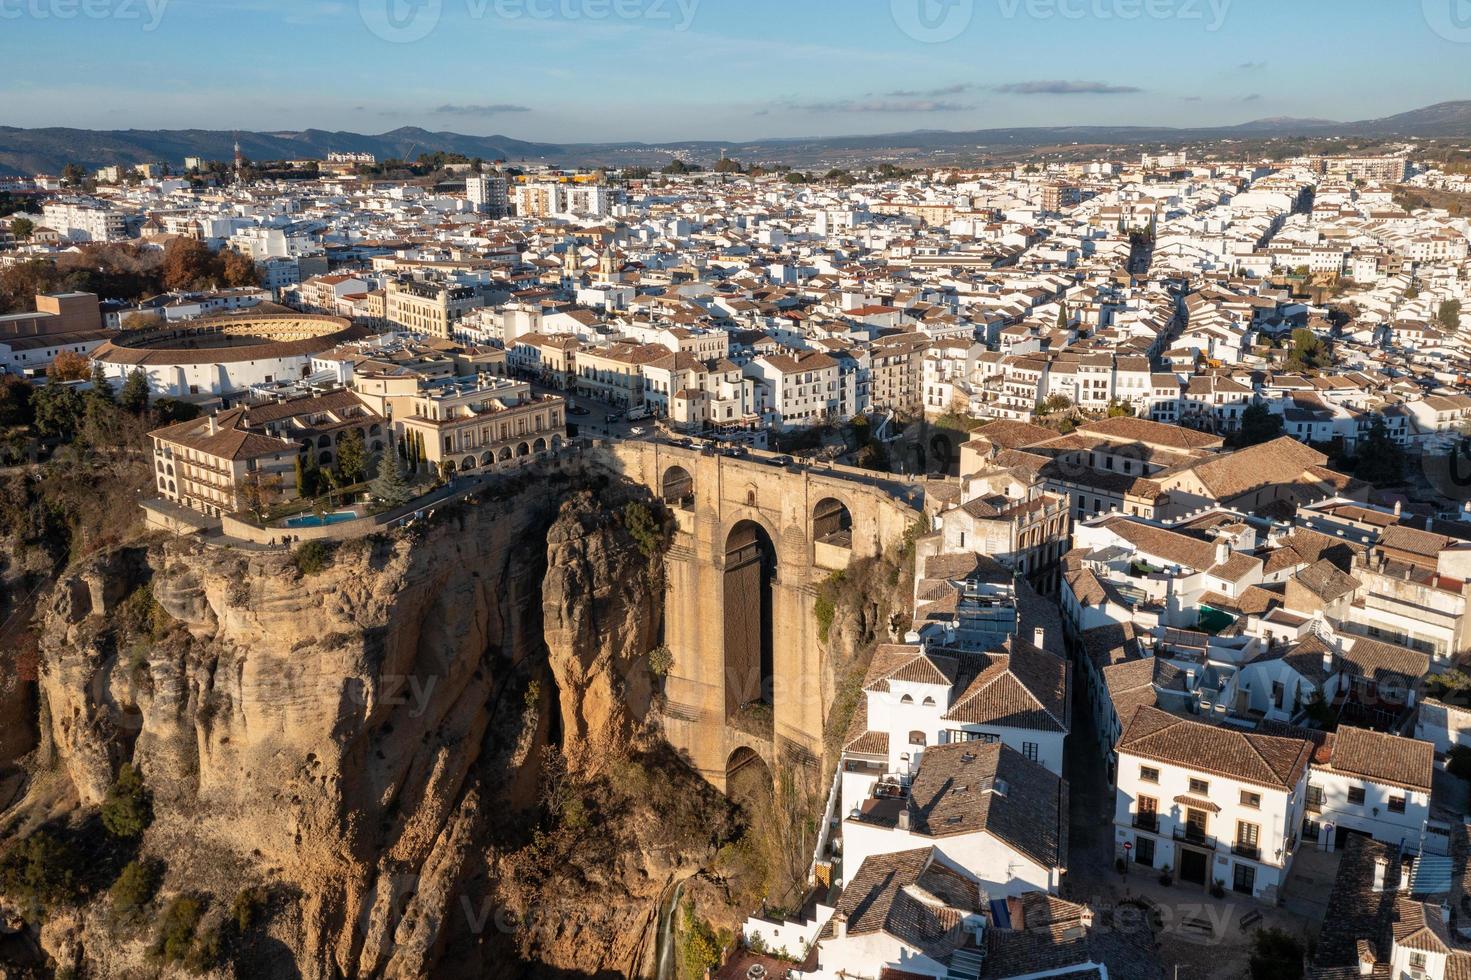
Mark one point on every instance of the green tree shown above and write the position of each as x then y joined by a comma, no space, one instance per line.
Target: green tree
58,409
1063,320
1308,352
128,809
1458,762
1276,955
16,394
1258,425
1449,314
391,484
134,396
101,391
1380,459
136,885
22,229
352,459
43,870
73,175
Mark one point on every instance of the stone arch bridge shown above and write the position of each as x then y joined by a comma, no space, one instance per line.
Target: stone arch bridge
754,543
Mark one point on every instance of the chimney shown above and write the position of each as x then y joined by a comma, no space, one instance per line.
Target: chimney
904,817
1398,508
213,428
1328,660
1039,638
840,925
1223,551
1381,870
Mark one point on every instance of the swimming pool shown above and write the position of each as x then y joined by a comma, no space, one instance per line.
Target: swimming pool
312,520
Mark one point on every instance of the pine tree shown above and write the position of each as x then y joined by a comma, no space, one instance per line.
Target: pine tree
391,485
1062,317
101,387
134,397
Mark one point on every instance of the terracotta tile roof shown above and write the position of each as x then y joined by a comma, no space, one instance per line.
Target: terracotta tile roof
1326,581
888,892
971,787
1388,759
1263,760
1023,687
1380,661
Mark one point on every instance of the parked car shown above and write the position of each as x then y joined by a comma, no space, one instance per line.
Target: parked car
613,417
735,452
638,430
783,461
575,409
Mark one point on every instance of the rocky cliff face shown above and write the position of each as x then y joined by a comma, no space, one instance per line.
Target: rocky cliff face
370,741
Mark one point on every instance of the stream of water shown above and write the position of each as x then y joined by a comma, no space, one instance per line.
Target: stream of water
664,947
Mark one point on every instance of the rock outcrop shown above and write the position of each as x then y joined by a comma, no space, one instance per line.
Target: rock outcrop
368,741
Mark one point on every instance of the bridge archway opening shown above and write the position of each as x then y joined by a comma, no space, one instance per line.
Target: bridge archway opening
678,488
748,781
750,578
832,523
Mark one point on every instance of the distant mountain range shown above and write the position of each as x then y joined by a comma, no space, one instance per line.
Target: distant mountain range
30,151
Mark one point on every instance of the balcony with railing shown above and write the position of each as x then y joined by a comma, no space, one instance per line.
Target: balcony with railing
1242,849
1147,821
1194,836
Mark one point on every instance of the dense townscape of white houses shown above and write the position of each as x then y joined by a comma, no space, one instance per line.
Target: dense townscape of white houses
1254,634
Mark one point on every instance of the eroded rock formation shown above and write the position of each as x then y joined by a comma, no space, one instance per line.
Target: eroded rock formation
368,741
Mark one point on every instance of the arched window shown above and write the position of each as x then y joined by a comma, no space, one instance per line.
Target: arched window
907,699
929,702
916,738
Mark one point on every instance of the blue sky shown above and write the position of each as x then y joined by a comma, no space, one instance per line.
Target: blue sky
594,70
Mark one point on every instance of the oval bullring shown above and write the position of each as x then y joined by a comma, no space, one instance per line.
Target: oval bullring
223,356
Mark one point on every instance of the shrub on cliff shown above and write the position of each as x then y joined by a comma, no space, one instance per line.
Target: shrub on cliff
644,527
128,809
176,929
42,872
312,558
136,886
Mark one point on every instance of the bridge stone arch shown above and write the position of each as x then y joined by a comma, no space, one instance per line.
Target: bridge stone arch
750,565
709,628
677,487
832,520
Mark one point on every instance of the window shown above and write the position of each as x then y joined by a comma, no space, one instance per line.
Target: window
929,702
1029,749
1251,800
1396,804
916,738
1199,787
1148,774
1417,962
1315,799
1356,795
1245,879
907,699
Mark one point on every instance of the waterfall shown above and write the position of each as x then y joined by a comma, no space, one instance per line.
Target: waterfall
664,947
